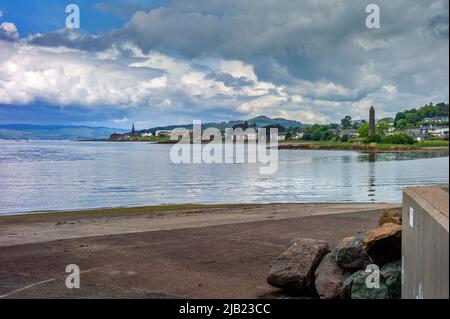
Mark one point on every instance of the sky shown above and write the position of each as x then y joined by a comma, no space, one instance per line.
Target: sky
159,62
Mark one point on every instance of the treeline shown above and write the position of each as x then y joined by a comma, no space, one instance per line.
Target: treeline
416,117
319,132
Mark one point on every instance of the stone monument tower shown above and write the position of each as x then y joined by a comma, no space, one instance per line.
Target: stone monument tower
372,121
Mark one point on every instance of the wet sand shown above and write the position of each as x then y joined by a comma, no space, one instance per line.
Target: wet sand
193,251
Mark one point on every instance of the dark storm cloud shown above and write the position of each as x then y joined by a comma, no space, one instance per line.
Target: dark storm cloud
320,50
313,39
76,39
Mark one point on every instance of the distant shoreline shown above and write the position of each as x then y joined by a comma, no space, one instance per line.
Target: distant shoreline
328,146
385,148
427,146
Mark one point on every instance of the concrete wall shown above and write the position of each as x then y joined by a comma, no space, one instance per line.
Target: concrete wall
425,239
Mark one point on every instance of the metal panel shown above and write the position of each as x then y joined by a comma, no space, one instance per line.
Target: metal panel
425,240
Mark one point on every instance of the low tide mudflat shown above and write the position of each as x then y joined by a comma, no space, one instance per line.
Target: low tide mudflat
221,251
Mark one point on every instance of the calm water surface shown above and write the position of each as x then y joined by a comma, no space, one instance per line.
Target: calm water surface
64,175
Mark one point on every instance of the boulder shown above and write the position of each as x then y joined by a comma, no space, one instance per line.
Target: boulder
390,283
390,216
350,253
384,244
294,269
392,275
346,289
329,277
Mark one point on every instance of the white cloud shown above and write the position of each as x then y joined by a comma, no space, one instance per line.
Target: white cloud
110,54
159,61
121,121
297,99
389,88
8,30
238,69
304,116
66,77
258,105
29,73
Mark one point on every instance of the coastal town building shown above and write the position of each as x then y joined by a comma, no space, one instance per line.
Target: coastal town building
436,119
387,121
349,132
416,134
163,133
391,131
347,122
358,123
146,134
434,130
116,137
281,136
297,135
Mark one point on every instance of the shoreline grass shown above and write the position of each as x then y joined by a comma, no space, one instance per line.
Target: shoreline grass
327,145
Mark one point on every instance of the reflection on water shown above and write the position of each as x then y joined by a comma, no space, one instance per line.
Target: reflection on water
38,176
372,188
401,156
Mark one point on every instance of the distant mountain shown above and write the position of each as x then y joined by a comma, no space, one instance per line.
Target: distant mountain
55,132
260,121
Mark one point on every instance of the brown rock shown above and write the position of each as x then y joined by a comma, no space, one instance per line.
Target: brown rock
390,216
294,269
384,243
329,278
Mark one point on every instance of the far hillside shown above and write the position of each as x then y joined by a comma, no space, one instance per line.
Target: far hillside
54,132
428,114
260,121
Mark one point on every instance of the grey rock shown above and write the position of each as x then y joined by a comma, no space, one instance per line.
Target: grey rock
350,253
294,269
329,277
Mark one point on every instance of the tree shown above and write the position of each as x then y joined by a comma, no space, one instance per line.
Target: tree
327,135
400,124
363,130
414,117
373,139
346,122
398,138
243,126
318,132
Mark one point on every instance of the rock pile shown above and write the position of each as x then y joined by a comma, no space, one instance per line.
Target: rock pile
294,269
308,266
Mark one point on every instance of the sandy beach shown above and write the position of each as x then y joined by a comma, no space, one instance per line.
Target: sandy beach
195,251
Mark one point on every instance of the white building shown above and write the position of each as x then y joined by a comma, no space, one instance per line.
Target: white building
279,136
147,134
349,132
436,119
434,130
